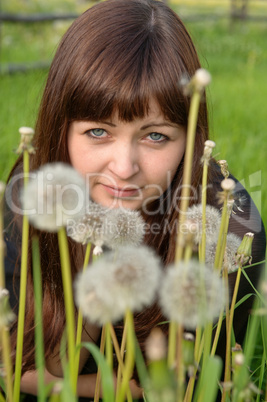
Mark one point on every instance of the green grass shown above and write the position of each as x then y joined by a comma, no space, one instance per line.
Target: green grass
235,55
237,60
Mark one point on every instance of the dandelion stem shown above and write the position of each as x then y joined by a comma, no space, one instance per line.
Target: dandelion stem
207,342
122,350
197,342
39,342
119,357
225,393
180,364
172,344
129,358
217,333
223,232
80,318
202,253
227,375
69,302
6,350
109,348
98,376
187,252
23,285
191,133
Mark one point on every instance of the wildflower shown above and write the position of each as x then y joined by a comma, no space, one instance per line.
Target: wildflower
230,261
244,251
6,314
124,227
112,228
53,194
213,219
209,145
90,227
124,279
201,79
26,136
191,294
228,186
197,83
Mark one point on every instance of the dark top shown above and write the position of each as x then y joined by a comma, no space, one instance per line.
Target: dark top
245,219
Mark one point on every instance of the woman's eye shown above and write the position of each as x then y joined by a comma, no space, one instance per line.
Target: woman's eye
157,137
97,132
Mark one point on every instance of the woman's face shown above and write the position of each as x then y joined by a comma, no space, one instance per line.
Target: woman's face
127,164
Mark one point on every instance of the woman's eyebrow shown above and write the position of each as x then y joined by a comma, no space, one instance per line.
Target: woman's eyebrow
108,123
163,124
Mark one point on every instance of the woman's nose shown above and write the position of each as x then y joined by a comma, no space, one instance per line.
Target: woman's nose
124,162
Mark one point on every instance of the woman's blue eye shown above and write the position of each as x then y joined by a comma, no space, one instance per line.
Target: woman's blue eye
157,136
97,132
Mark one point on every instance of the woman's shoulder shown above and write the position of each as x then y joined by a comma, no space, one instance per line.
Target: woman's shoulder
245,216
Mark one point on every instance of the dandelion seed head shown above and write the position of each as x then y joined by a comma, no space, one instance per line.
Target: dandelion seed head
90,227
191,294
213,220
54,194
127,278
124,227
229,261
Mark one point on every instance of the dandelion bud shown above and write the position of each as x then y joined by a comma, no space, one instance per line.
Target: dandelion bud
209,145
228,185
239,359
224,168
201,79
6,314
26,136
156,346
243,255
198,82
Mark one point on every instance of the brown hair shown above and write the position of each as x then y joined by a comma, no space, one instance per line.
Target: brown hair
115,57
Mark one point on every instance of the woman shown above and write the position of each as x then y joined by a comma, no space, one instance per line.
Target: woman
113,107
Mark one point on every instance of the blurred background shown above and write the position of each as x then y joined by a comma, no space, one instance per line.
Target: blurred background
231,39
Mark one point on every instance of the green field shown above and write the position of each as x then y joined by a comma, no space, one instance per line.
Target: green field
235,54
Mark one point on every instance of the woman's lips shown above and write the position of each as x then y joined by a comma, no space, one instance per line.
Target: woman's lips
122,192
